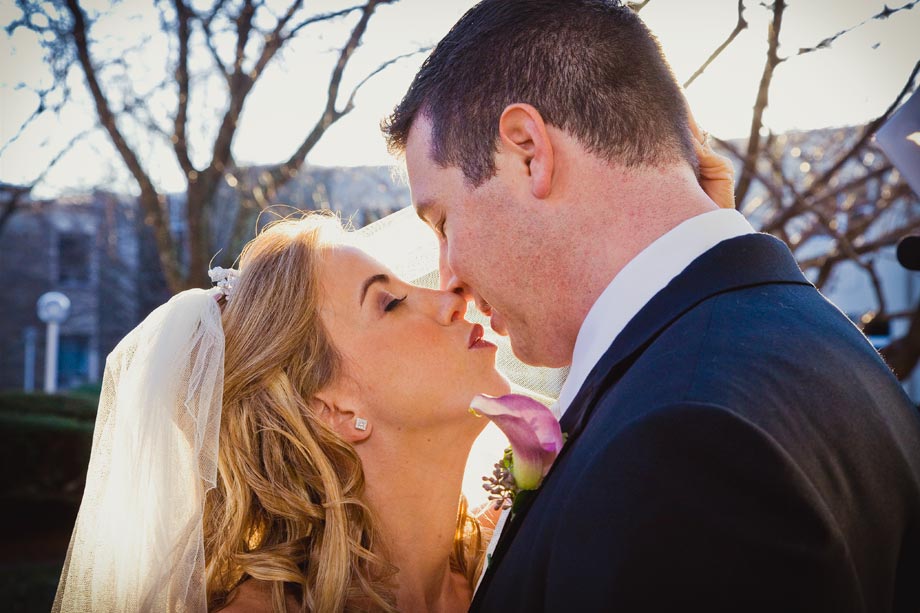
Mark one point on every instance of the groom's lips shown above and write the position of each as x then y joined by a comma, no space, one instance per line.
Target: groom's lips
496,321
498,324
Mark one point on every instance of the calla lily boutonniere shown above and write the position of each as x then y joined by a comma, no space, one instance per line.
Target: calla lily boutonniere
536,439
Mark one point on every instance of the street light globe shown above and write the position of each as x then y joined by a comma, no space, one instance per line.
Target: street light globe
53,307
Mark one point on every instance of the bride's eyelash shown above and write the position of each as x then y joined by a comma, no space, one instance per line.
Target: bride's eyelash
395,302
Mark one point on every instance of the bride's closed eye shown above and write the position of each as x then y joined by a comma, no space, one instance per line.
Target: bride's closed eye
393,303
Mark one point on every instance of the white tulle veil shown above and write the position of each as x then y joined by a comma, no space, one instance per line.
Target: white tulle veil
137,543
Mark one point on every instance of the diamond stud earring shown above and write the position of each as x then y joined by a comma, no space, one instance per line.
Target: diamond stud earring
360,424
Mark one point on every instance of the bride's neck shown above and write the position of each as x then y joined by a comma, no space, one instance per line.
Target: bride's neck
414,490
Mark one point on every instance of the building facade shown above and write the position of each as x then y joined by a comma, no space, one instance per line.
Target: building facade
88,249
96,250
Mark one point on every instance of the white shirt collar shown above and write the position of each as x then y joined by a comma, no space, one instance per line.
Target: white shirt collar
638,282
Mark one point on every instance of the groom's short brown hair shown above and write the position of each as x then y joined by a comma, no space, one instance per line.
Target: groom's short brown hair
590,67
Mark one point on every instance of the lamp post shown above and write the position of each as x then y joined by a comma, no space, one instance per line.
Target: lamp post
30,338
53,308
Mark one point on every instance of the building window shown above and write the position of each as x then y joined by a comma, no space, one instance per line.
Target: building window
73,259
73,361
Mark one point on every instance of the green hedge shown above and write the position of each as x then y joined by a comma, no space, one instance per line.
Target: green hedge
44,456
46,446
81,405
29,588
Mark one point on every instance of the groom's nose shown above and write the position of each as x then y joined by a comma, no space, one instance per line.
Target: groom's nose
449,281
447,275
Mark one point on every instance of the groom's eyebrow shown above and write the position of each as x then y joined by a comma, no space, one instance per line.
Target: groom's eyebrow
381,278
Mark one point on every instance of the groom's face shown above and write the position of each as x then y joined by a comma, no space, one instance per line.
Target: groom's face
488,248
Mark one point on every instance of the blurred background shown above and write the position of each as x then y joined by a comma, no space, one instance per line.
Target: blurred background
141,139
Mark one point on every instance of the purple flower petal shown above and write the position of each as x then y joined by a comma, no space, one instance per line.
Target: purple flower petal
532,430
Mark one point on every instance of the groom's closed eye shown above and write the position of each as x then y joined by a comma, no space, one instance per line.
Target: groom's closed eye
425,209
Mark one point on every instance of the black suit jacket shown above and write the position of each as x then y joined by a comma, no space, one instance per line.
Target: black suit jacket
740,447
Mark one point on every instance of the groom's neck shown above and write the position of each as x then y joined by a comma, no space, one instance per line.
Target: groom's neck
614,216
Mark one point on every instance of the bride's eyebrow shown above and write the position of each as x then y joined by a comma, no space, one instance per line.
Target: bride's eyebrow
379,278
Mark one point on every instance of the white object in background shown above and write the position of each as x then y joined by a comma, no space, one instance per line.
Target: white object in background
53,308
28,374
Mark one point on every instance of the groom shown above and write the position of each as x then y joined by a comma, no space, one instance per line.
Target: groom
735,444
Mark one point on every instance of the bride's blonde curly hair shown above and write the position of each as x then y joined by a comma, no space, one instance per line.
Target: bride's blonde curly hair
287,508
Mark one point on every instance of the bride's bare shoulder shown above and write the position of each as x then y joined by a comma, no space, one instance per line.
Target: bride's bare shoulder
254,596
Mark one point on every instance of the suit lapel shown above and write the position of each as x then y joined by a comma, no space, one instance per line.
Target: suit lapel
738,263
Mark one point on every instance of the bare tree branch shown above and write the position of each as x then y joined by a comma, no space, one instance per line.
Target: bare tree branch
324,17
274,41
330,113
16,194
869,267
179,137
771,187
883,14
885,240
739,27
39,110
229,31
150,199
867,133
902,354
240,86
243,29
350,104
209,39
744,182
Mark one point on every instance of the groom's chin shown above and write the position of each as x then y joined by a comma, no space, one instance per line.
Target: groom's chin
535,354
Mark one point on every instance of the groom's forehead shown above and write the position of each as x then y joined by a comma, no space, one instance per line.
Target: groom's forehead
421,168
419,142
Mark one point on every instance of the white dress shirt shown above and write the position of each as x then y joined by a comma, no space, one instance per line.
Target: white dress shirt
644,276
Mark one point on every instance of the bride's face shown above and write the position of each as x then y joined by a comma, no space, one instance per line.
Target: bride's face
412,360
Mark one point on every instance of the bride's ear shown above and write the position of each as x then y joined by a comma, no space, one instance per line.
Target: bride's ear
335,413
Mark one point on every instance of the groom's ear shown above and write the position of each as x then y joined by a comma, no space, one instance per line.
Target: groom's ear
525,140
336,413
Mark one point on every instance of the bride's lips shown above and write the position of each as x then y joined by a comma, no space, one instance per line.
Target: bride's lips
476,340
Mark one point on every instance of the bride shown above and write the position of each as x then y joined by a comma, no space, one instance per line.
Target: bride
292,441
344,430
350,456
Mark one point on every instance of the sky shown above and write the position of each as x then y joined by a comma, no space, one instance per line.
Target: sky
850,83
